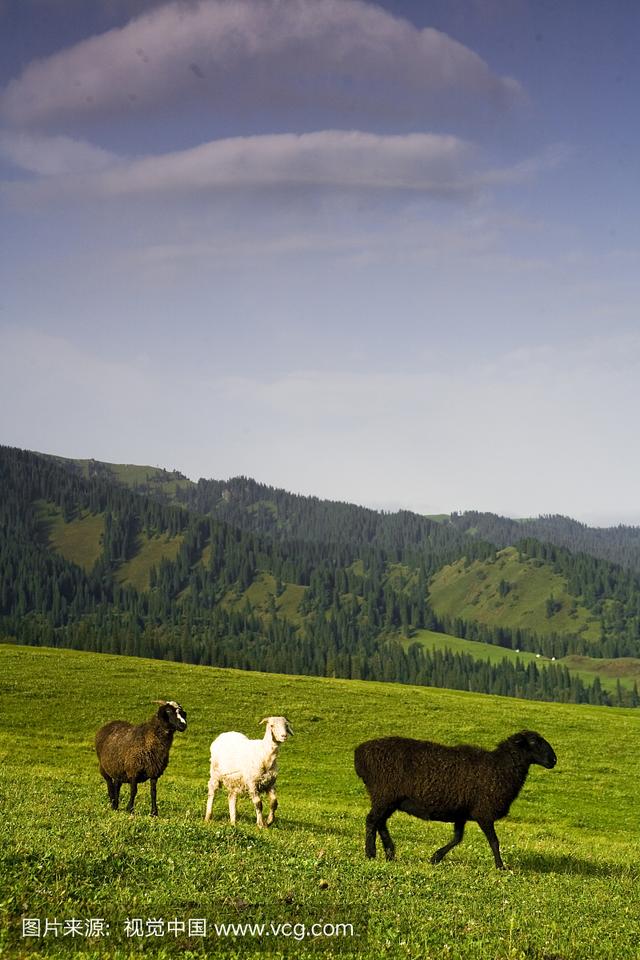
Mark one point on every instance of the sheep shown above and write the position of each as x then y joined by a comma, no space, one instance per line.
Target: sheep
448,784
133,754
248,766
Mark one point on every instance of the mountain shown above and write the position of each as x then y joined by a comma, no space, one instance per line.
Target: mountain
619,544
143,561
265,509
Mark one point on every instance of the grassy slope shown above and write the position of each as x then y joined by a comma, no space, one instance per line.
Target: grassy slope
480,651
571,839
626,669
472,593
149,551
79,541
132,474
260,593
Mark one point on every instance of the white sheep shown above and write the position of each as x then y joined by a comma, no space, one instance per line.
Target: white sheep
248,766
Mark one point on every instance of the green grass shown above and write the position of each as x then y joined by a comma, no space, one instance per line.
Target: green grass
479,651
472,592
149,551
133,475
260,594
79,540
625,669
130,474
571,840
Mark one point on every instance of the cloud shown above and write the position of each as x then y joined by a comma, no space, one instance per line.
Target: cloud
434,165
53,156
346,54
330,158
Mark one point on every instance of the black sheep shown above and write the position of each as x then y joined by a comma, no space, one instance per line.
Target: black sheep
132,754
448,784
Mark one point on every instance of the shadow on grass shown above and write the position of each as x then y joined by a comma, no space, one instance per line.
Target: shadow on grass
316,827
565,863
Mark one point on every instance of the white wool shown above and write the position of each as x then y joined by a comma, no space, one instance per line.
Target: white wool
247,766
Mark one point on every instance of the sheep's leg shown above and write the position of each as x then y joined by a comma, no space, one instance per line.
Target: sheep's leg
213,786
154,803
458,833
113,798
116,794
132,796
273,806
376,822
257,802
490,833
387,842
233,798
110,786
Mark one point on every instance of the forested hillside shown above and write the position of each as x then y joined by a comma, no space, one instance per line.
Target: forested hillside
242,575
620,544
276,512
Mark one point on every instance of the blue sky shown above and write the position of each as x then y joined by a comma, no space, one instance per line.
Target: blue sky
381,252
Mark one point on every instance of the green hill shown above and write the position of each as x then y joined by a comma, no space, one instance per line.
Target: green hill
242,575
511,591
626,670
570,842
78,540
260,507
139,477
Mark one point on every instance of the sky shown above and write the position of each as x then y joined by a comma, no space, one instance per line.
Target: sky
383,252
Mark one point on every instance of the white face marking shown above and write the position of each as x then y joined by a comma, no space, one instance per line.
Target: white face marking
278,727
181,718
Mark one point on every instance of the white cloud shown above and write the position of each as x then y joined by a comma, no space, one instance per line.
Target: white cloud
332,158
53,156
439,165
346,54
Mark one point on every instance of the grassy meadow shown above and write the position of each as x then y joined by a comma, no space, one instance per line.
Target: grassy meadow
624,669
571,841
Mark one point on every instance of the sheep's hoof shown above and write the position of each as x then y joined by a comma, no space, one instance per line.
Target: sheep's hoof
436,858
390,854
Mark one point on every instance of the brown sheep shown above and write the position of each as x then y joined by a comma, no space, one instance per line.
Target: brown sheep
132,754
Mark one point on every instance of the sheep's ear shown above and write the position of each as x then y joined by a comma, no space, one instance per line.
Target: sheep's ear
264,720
161,702
288,728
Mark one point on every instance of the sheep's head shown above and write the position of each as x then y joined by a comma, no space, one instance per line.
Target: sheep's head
172,714
535,748
279,727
